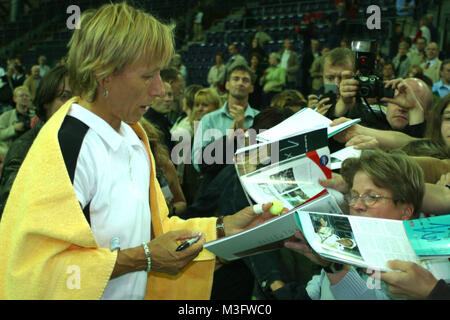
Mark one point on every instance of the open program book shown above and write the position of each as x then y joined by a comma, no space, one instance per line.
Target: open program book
305,120
359,241
287,170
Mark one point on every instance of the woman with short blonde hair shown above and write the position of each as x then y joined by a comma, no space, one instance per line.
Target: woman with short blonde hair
205,100
87,194
394,171
110,38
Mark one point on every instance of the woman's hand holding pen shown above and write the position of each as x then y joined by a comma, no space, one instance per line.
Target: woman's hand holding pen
164,254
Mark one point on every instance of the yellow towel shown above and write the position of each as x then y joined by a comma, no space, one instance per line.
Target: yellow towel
47,248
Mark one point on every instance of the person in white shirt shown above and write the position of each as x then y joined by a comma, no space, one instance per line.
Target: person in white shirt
417,52
442,87
216,74
125,244
432,65
198,25
234,59
43,67
290,63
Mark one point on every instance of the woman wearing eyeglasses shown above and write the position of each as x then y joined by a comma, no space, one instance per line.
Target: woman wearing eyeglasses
378,185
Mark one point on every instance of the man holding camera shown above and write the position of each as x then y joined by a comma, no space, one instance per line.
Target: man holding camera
16,121
405,112
335,62
407,102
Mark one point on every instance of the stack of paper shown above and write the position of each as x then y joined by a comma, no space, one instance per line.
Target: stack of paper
339,156
305,120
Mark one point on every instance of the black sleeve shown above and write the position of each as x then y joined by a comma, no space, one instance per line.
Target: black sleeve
416,130
440,292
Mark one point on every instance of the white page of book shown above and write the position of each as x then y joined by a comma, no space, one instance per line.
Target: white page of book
339,156
382,240
324,241
249,242
440,268
292,181
279,228
375,241
305,120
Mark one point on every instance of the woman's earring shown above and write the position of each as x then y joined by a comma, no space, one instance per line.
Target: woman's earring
105,93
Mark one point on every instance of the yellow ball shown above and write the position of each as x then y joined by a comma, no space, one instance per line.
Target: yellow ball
276,207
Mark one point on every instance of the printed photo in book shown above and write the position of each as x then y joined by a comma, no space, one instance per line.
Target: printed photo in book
287,171
335,234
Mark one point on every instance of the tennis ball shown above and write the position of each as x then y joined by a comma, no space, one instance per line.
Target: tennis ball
276,207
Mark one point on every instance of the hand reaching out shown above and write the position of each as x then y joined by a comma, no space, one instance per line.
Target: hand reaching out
361,142
413,282
444,180
246,219
320,106
299,244
336,182
347,134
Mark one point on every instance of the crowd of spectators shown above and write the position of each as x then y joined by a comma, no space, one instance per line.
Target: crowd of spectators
259,90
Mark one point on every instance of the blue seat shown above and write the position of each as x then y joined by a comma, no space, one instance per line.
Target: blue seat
273,21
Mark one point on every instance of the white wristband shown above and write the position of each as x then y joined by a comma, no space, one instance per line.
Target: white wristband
147,255
258,208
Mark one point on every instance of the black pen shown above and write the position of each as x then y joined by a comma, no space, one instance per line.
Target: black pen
186,244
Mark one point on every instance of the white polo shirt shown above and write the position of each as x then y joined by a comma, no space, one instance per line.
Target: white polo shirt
285,58
112,176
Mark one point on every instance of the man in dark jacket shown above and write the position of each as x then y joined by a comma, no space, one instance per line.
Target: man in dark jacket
157,115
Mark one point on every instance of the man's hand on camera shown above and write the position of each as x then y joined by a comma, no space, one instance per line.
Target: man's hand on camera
361,142
321,106
348,90
406,98
312,101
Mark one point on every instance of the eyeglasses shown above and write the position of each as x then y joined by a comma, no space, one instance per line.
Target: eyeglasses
368,199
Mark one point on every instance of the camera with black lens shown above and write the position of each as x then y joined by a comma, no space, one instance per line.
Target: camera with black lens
330,91
370,85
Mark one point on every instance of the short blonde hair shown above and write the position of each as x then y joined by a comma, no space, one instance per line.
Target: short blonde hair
110,38
289,98
393,170
210,96
21,88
